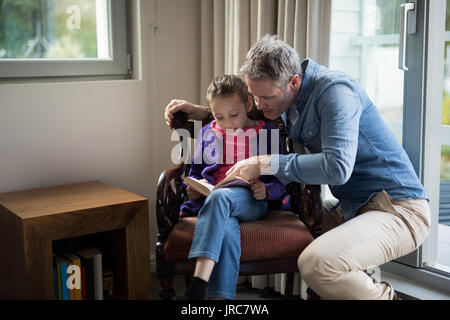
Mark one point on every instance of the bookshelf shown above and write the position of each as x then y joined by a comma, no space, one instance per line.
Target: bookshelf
35,224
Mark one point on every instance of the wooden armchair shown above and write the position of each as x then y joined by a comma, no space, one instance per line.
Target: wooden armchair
268,246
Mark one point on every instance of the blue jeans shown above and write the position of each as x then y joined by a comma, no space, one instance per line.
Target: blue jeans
217,235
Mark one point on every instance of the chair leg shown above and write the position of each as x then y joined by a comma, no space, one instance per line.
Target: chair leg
312,295
166,292
288,293
187,280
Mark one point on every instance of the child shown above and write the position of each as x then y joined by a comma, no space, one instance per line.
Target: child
216,244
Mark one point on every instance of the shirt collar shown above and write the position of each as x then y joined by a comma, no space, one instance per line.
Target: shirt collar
310,69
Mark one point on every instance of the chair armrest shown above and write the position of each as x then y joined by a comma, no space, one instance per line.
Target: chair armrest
181,122
170,195
306,203
305,200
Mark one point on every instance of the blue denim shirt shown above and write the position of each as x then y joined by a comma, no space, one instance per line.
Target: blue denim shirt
351,148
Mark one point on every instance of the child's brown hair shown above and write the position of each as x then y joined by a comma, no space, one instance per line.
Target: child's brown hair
227,85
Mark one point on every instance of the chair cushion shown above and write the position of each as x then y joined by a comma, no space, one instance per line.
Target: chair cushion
278,235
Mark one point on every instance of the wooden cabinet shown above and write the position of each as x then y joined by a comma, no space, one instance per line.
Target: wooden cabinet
35,222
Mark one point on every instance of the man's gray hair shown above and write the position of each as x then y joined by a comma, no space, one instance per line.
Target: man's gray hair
272,58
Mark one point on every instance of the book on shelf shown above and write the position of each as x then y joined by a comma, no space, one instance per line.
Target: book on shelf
83,283
206,188
91,260
87,281
62,264
56,279
75,293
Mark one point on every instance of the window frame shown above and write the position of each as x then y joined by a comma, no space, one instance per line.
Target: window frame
118,65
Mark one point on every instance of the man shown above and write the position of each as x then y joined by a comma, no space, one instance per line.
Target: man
383,204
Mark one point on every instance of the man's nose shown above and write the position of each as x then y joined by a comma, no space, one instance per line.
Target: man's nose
258,104
262,105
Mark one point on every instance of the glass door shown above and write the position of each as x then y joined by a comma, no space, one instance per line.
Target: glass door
386,46
440,169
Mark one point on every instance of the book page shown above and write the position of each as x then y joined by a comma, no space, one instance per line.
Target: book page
228,180
198,185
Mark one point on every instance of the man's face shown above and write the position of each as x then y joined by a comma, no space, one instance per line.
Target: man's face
272,100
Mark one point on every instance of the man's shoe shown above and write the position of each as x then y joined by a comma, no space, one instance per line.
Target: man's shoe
396,297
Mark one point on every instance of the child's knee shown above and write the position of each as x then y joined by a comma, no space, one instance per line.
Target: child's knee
220,195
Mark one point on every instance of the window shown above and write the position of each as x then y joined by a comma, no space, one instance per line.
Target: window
445,157
444,191
59,38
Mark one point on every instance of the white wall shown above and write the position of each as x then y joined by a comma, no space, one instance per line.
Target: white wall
112,131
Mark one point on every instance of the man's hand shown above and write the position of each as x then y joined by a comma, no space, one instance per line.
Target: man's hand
259,190
251,168
194,112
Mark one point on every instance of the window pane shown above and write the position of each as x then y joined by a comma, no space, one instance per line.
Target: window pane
443,250
364,43
445,153
446,107
445,162
54,29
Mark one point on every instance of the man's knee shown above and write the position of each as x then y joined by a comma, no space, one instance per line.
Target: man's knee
307,262
317,265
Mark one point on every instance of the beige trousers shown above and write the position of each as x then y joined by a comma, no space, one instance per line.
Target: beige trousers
383,230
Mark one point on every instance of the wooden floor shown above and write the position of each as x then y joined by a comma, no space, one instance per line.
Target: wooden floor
243,291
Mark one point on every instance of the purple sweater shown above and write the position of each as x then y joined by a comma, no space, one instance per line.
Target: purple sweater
204,164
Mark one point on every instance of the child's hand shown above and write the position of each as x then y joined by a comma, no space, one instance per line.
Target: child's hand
192,194
258,190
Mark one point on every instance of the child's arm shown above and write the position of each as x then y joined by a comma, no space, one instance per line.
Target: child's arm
198,164
274,188
197,167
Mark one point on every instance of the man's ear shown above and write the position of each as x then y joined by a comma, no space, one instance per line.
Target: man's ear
295,81
250,102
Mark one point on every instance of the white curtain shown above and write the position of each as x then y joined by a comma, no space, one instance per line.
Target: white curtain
230,27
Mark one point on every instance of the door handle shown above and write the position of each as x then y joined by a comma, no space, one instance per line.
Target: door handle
405,28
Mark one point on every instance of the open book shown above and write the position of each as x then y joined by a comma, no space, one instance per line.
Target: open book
206,188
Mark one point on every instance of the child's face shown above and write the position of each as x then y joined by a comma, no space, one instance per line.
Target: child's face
230,112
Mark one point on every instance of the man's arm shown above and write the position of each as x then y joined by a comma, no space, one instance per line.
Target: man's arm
339,111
